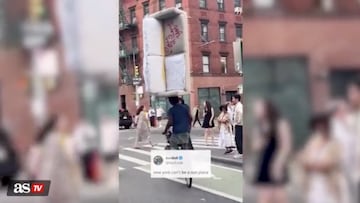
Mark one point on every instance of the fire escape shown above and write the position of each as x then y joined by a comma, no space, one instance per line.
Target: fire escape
127,55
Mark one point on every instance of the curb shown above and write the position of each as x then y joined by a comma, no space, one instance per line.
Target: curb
229,161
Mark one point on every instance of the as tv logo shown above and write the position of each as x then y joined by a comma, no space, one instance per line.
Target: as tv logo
28,188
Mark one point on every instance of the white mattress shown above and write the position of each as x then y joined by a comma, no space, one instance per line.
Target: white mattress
153,37
174,35
154,74
166,65
175,72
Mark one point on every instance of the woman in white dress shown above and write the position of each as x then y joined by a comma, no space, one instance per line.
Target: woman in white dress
142,127
225,134
321,163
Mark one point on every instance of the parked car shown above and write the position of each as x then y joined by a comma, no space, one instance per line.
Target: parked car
125,119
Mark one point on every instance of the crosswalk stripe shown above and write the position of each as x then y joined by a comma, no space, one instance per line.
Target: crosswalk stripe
133,160
121,169
138,151
203,140
204,143
195,146
237,199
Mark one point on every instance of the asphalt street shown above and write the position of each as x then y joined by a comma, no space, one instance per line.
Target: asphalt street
136,185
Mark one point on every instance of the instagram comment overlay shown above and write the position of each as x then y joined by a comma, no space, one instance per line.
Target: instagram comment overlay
180,164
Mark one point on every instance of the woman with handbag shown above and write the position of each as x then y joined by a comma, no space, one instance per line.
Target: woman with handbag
208,123
225,138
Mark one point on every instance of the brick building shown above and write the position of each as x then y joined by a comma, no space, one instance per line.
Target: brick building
16,83
301,53
213,25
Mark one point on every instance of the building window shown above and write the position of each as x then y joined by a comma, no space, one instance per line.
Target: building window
223,61
206,63
162,4
264,4
146,8
222,33
237,3
221,6
238,30
203,4
134,44
229,94
211,94
204,31
132,15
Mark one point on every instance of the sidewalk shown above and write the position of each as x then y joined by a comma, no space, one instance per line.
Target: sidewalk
217,155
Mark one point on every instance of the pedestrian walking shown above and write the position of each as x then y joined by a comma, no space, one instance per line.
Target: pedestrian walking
208,123
230,109
143,127
238,123
321,160
272,141
341,131
152,117
196,115
159,113
225,131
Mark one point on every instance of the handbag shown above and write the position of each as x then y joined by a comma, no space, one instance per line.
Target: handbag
95,167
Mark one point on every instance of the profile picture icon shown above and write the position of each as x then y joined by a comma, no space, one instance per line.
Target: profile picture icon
158,160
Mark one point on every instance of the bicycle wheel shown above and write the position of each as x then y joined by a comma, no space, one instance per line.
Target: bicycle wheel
188,182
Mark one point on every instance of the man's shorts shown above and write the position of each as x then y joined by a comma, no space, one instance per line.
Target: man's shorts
179,139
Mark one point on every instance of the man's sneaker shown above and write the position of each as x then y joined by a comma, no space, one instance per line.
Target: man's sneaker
238,156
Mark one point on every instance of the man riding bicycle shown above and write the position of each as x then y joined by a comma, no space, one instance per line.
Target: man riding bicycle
179,118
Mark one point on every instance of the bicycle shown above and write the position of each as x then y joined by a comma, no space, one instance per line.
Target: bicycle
188,181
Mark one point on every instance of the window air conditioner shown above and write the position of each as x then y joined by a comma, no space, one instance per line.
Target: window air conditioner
238,10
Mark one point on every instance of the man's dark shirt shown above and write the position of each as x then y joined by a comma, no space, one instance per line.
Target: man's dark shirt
180,118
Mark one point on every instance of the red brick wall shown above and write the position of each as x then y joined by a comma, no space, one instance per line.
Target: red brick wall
308,6
327,43
214,17
15,97
15,106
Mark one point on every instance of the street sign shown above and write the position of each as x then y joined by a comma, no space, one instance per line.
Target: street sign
35,34
137,81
